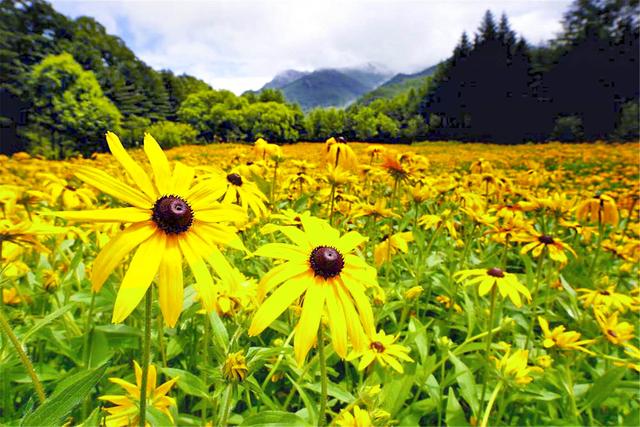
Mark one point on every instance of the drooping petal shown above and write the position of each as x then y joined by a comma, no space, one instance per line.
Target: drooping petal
116,249
137,174
362,303
281,273
204,282
159,164
278,302
170,282
143,268
337,321
282,251
354,324
307,328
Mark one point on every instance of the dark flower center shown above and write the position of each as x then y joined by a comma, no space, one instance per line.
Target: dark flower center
605,293
326,261
495,272
547,240
235,179
377,346
172,214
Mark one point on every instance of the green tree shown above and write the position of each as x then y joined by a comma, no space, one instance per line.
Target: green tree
70,110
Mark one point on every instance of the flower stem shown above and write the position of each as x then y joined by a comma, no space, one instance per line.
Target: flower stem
492,399
146,350
205,363
226,409
323,378
333,198
535,294
488,343
6,328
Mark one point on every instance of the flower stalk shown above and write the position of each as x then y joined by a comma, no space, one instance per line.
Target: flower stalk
146,350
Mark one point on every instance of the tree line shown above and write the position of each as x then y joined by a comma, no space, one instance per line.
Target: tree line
74,81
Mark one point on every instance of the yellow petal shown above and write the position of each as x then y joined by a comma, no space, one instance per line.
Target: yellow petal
204,282
350,241
137,174
116,249
278,302
182,178
107,215
159,164
170,282
143,268
282,251
111,186
337,321
362,303
307,328
221,213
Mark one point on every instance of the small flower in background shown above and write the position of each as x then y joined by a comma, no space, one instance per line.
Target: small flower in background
616,332
383,350
126,412
605,299
536,242
11,296
235,367
564,340
359,418
513,367
233,188
447,302
338,153
413,293
599,209
506,283
544,361
391,245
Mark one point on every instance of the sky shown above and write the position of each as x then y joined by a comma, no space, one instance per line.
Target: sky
240,45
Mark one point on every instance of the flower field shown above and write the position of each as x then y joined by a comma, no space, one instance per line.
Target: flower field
343,284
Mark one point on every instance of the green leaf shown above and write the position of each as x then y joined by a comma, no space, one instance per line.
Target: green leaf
46,320
187,382
466,382
603,387
68,395
220,335
274,419
455,414
395,392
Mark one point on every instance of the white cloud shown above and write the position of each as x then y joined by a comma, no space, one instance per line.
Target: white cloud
242,44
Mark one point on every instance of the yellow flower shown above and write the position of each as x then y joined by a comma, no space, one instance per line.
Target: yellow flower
383,350
235,367
513,367
447,302
599,209
391,245
544,361
234,188
126,411
605,299
569,340
11,296
359,418
506,283
616,332
413,293
26,233
169,219
338,153
319,266
537,242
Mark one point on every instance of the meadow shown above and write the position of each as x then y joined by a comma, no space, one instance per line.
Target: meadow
345,284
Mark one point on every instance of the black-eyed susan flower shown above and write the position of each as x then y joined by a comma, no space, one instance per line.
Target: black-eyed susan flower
170,219
338,153
234,188
615,331
397,242
564,340
600,209
319,265
605,299
506,283
536,242
382,349
126,412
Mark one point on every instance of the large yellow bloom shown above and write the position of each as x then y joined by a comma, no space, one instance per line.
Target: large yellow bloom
126,411
169,218
321,267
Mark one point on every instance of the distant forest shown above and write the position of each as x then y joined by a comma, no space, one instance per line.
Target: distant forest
64,83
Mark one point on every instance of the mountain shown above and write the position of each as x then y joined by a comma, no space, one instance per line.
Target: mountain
398,84
328,87
283,78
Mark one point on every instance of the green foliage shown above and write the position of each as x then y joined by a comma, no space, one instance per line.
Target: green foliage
70,109
322,123
568,128
171,134
628,128
133,129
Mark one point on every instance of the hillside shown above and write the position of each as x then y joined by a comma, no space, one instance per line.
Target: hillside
398,84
